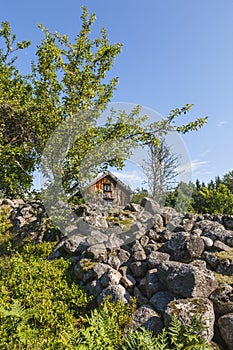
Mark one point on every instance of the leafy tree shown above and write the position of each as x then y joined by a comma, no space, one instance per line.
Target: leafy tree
66,78
214,200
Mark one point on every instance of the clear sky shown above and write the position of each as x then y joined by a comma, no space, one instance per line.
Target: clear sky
174,52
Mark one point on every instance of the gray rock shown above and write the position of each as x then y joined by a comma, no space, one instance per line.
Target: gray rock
197,232
223,236
97,251
117,292
160,300
113,241
154,235
128,281
114,261
141,299
188,223
123,255
110,277
158,223
225,267
199,263
166,235
6,201
100,269
133,207
211,259
184,247
98,221
221,246
136,246
225,324
18,202
88,276
83,227
139,255
125,270
151,247
146,317
168,214
208,242
142,286
228,222
153,283
19,222
26,212
138,268
222,299
96,237
209,226
155,258
78,272
150,205
187,280
144,240
70,245
186,308
93,288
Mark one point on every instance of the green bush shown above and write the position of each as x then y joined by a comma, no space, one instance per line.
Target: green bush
41,307
5,223
40,304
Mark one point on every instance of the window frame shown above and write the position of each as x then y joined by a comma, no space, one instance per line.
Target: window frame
107,187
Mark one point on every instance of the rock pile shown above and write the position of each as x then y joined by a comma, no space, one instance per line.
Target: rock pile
171,263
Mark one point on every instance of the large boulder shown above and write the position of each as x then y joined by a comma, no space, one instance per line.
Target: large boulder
161,299
187,280
146,317
151,206
116,292
224,236
152,283
185,309
228,221
225,324
155,258
207,225
184,247
222,299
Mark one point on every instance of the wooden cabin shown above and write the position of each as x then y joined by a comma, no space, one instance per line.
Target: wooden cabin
107,189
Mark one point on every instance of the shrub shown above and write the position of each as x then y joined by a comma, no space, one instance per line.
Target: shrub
40,303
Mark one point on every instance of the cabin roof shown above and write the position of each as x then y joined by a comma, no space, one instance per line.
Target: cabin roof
114,178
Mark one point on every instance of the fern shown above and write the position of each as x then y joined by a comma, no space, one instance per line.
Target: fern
177,337
144,340
163,341
187,337
105,327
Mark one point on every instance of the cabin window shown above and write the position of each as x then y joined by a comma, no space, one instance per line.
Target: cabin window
107,187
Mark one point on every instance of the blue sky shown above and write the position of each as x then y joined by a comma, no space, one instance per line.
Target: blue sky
174,52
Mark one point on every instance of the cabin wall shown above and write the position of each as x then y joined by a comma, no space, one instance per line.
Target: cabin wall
117,196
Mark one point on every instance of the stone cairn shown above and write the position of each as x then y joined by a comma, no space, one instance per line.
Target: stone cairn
171,263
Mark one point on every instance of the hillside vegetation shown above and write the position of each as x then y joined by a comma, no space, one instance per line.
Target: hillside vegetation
43,307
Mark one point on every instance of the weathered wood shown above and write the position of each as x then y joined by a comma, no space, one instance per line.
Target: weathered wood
108,189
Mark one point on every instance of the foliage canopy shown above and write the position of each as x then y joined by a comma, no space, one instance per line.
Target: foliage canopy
67,77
